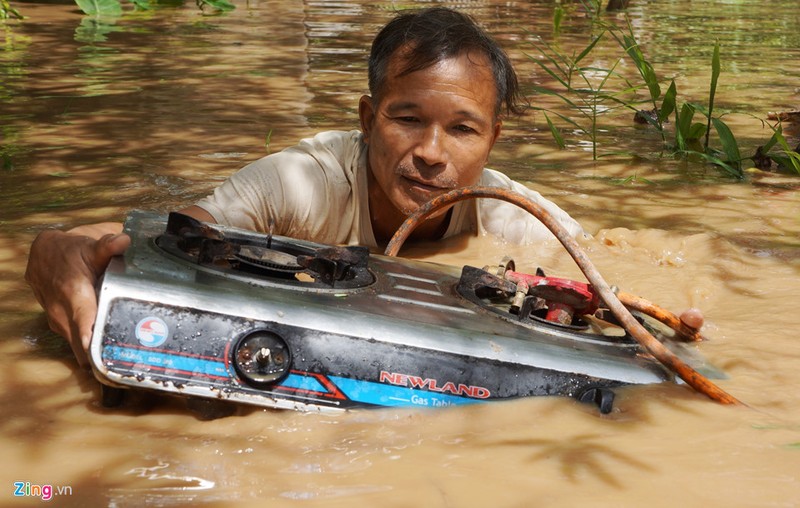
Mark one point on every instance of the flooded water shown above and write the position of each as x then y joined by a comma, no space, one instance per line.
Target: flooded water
155,109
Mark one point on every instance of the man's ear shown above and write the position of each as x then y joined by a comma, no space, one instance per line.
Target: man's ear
366,114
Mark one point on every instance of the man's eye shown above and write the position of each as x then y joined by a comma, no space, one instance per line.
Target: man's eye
407,119
464,128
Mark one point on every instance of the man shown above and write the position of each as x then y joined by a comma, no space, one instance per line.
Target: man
440,87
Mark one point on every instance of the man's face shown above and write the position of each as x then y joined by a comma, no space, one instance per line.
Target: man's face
431,131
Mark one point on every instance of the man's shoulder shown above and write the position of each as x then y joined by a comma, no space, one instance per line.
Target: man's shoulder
494,178
332,152
328,152
333,142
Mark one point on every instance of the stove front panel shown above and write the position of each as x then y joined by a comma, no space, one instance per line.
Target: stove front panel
181,350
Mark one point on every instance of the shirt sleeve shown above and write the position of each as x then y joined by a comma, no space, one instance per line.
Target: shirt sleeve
304,192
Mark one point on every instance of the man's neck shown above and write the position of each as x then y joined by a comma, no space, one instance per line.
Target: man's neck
387,219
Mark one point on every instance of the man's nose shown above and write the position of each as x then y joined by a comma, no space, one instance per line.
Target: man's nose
431,147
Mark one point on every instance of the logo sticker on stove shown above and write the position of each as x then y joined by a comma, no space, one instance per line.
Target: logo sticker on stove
152,331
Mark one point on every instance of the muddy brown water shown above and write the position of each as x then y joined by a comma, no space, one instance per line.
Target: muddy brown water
154,110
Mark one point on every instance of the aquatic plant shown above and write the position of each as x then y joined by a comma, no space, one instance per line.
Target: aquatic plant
785,158
661,113
110,9
8,12
689,133
217,5
584,90
114,7
587,103
107,8
267,141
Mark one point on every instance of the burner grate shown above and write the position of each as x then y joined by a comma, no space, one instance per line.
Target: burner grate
277,259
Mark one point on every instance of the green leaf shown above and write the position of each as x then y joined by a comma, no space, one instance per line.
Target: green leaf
732,171
143,5
551,73
7,12
544,91
668,105
557,63
588,48
220,5
645,68
683,123
715,70
729,145
558,15
267,140
652,82
564,98
773,140
696,131
700,109
100,8
608,73
562,117
792,157
652,121
555,133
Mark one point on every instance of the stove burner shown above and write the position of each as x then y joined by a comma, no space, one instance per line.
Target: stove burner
499,296
268,258
275,259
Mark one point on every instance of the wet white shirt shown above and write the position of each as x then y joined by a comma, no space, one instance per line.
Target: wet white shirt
317,190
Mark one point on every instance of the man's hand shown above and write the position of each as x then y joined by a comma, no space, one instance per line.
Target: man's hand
63,269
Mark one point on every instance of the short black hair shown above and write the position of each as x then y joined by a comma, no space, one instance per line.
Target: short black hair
437,33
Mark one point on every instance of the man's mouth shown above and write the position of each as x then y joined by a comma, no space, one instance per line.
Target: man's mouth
424,186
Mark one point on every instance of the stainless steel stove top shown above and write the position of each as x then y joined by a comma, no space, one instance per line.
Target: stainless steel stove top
214,312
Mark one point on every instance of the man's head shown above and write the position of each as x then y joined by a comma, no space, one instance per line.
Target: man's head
440,86
435,34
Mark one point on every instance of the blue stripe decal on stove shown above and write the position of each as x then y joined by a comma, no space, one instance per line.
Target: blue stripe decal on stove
300,382
381,394
166,361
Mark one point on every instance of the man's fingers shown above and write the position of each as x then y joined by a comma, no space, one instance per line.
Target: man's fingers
85,299
63,269
84,322
57,321
77,346
107,247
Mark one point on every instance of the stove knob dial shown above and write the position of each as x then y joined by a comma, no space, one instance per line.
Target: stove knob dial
262,358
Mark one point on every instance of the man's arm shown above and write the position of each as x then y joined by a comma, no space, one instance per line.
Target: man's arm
198,213
63,270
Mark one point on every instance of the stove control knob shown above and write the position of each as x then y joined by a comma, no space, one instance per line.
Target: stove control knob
262,358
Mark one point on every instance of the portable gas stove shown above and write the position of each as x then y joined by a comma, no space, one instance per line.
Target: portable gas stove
215,312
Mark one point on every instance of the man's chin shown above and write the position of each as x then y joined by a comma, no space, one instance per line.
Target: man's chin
411,210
